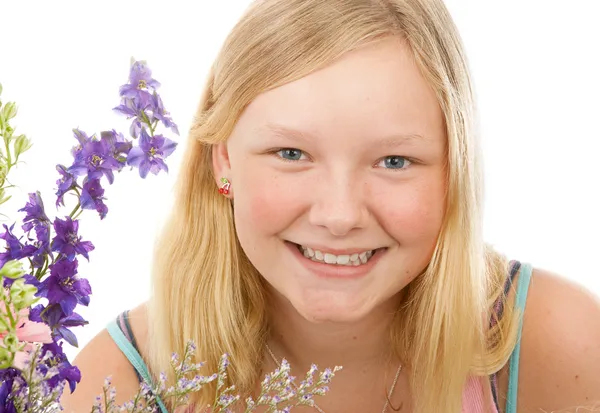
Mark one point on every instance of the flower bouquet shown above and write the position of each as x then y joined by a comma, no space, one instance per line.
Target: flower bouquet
41,287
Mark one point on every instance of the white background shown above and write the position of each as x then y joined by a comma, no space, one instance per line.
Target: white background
535,64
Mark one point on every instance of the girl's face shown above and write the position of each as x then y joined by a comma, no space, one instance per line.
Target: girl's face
345,166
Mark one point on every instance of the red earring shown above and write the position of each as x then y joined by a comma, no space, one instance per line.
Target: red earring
224,189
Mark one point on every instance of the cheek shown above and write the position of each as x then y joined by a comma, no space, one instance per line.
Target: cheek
265,202
415,213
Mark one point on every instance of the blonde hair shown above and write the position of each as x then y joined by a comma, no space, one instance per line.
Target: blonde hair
206,289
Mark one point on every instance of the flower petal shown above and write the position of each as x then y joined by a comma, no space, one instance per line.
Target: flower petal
34,332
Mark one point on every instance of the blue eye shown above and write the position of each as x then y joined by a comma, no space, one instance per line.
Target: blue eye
290,154
395,162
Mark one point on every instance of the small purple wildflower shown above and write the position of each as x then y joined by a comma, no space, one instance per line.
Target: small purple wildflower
149,155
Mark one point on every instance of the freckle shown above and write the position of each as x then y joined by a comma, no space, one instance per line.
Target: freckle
576,376
354,337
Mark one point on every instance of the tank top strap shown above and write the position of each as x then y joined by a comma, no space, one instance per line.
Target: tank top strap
513,375
514,267
120,331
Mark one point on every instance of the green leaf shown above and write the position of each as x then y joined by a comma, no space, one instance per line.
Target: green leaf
0,88
22,145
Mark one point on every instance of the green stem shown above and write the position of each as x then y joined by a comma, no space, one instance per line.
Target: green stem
31,369
13,321
8,158
75,210
78,215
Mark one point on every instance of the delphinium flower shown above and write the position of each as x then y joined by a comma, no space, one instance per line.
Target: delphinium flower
52,247
141,102
37,220
149,155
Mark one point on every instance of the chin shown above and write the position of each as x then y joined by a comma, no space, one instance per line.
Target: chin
331,313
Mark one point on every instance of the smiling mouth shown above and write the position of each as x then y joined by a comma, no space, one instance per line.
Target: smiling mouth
347,260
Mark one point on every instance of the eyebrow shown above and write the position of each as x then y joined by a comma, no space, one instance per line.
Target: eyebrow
305,136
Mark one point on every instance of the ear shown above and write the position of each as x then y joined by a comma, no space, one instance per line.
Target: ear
221,165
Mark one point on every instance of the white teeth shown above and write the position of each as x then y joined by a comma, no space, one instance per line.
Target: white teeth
330,258
343,259
348,260
363,257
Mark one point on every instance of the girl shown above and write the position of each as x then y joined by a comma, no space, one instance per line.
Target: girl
329,212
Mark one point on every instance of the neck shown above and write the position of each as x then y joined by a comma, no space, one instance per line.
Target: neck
352,345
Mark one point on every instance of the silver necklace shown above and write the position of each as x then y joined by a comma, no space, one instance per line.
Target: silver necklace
387,402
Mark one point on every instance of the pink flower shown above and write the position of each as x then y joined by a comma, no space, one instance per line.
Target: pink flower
28,332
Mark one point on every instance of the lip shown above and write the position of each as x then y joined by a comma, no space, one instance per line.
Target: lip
323,270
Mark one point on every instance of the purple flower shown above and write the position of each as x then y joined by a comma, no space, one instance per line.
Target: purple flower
140,80
63,287
139,108
42,245
65,183
95,159
65,370
58,322
149,155
35,214
92,197
161,114
29,279
7,377
119,147
15,250
37,219
67,241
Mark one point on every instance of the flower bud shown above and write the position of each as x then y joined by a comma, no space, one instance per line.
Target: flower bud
22,144
9,111
22,294
11,342
12,269
6,358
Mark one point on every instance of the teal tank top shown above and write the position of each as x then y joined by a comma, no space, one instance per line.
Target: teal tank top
125,340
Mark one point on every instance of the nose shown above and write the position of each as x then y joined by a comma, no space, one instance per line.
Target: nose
339,205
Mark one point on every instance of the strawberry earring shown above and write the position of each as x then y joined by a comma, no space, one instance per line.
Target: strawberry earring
224,189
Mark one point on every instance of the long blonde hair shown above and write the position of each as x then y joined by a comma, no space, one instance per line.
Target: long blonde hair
206,289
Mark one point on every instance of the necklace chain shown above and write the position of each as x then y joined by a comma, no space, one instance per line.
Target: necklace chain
387,402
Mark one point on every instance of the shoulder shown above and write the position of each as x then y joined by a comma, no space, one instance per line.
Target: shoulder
101,358
559,367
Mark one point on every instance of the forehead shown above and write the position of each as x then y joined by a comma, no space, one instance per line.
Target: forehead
375,90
